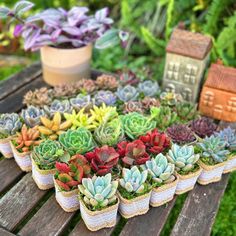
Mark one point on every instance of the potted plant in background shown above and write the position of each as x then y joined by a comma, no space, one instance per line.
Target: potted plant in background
64,38
98,202
9,124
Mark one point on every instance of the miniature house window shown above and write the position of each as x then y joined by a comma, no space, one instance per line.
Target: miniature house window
231,107
218,110
187,94
170,88
208,98
173,71
190,74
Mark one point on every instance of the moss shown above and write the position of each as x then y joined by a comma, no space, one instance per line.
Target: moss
208,161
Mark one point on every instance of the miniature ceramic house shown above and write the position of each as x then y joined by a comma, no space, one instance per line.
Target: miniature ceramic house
218,97
186,59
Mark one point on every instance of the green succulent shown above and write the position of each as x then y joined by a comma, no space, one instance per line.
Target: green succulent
77,141
136,124
160,170
186,111
98,192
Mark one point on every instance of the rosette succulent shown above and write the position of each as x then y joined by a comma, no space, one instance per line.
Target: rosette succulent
133,106
181,134
133,180
186,111
170,98
98,192
149,102
64,90
107,82
127,93
103,159
149,88
128,77
183,157
136,124
229,136
9,124
86,85
160,170
47,153
58,106
203,127
31,116
81,101
107,97
77,141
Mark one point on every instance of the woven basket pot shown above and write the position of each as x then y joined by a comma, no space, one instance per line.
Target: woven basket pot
23,160
187,182
230,165
43,178
96,220
5,147
62,66
134,207
68,201
210,174
163,194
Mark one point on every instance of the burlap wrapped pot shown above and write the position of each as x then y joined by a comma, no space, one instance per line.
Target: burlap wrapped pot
5,147
230,165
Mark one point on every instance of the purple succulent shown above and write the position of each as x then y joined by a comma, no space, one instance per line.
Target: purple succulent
81,101
106,97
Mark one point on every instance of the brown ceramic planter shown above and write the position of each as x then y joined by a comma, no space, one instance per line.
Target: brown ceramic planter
62,66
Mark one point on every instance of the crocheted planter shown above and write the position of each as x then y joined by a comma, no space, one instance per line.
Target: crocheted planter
5,147
134,207
95,220
23,160
163,194
211,174
230,165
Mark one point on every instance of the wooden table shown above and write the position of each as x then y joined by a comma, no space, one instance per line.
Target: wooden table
26,210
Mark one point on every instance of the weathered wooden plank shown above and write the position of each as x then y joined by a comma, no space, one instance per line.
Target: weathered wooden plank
9,173
4,232
49,220
20,79
18,202
200,209
150,223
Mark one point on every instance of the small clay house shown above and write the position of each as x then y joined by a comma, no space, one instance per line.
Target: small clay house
186,59
218,96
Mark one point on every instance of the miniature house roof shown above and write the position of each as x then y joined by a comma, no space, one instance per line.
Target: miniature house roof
189,44
221,77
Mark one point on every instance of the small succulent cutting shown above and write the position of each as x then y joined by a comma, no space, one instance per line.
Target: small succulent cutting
127,93
170,98
203,127
107,97
133,106
160,170
54,127
98,192
133,153
103,159
183,157
31,116
69,175
47,153
77,141
155,142
136,124
58,106
81,101
9,124
108,82
149,88
181,134
186,111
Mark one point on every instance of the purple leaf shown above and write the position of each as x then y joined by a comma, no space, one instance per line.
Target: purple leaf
72,30
31,39
77,15
18,30
22,6
55,34
101,16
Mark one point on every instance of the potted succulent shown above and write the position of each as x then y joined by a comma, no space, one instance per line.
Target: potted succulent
44,158
64,38
9,124
22,146
186,166
134,192
98,202
213,159
67,178
229,136
163,180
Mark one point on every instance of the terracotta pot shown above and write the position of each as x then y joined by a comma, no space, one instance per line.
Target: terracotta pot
5,147
62,66
230,165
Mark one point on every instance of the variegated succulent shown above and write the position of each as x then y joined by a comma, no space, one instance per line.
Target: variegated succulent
133,106
107,97
81,101
149,102
127,93
86,85
170,98
105,81
58,106
128,78
149,88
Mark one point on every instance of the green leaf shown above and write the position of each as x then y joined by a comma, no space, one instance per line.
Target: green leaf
109,39
4,12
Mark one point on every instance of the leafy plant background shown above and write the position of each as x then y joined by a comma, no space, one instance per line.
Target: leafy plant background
150,24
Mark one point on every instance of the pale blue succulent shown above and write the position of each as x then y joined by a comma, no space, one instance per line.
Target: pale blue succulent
99,191
183,157
229,136
81,101
213,147
107,97
127,93
58,106
31,116
160,170
133,179
149,88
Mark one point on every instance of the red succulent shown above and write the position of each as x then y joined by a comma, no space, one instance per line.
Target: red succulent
156,142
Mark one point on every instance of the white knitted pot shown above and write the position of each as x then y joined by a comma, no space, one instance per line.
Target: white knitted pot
210,174
187,182
5,147
95,220
163,194
23,160
43,178
230,165
68,201
134,207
